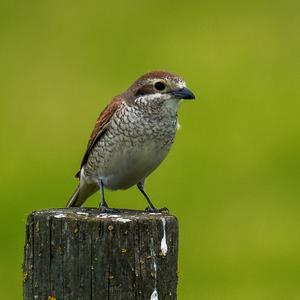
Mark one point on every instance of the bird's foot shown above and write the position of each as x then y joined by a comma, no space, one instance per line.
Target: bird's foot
108,210
157,210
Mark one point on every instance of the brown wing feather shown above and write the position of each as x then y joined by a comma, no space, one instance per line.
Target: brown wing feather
99,128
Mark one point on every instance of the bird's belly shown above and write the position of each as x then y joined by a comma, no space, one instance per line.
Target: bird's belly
126,154
130,165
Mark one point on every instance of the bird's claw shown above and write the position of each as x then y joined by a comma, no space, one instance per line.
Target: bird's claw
107,210
157,210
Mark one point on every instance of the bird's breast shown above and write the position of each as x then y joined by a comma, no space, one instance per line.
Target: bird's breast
131,148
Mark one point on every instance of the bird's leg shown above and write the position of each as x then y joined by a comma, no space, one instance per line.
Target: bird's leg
151,207
103,206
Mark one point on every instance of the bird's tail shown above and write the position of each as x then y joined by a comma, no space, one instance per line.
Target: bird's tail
82,192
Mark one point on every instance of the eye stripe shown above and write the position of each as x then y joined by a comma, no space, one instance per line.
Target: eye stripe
144,90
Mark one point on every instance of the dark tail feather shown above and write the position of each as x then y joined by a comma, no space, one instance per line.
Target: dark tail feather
82,192
73,200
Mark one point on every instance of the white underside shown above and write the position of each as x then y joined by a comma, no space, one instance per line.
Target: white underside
132,162
128,167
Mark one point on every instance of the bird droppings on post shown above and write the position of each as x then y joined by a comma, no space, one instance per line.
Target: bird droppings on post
116,217
154,295
123,220
59,216
88,255
163,243
82,213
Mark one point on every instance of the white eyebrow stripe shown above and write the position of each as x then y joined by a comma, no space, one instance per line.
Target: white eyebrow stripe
181,84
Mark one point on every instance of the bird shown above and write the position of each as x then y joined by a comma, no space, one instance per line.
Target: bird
131,137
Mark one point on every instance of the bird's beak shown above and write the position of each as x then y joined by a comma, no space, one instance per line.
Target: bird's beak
183,93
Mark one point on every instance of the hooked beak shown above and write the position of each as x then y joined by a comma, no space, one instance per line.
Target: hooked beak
183,93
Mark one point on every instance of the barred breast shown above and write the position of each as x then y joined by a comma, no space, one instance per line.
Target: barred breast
133,145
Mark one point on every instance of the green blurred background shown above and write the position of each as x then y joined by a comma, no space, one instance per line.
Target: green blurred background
232,176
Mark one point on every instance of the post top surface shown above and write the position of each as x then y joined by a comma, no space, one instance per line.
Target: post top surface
93,214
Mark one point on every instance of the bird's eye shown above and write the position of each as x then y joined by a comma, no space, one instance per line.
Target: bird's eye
160,86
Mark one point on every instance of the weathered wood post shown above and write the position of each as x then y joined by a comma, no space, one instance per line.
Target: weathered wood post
79,253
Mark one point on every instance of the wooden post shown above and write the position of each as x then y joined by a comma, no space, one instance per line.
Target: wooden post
79,253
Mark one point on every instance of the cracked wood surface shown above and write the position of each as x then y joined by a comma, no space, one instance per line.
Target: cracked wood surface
79,253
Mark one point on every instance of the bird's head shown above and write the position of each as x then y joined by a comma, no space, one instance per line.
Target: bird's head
161,88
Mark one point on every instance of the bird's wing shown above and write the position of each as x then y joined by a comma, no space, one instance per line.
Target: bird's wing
99,129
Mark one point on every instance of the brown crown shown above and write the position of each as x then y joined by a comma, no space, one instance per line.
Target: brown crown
155,75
